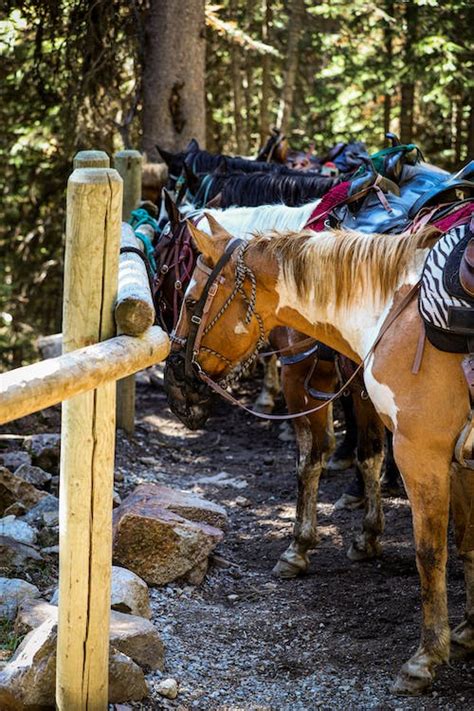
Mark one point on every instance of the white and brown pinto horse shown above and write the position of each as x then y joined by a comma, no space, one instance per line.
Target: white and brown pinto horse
342,289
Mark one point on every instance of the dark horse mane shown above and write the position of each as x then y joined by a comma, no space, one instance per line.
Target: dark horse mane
253,189
203,162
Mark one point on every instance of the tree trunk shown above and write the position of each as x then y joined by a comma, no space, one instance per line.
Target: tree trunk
407,88
457,131
237,88
470,129
173,75
388,41
295,27
266,73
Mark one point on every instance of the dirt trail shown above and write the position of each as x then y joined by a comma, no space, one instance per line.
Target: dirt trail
332,639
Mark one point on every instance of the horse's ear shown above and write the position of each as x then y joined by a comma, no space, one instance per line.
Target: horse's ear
171,209
166,155
192,146
217,231
192,180
210,247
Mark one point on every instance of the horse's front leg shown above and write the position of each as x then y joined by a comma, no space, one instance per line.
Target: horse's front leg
428,492
315,440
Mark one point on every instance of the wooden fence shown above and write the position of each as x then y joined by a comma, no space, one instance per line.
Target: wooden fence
84,379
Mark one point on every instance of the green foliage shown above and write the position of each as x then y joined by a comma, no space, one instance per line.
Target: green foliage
9,641
70,72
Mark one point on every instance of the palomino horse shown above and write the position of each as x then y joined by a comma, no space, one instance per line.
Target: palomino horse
301,382
355,293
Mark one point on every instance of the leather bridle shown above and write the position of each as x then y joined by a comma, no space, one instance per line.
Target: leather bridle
199,327
198,321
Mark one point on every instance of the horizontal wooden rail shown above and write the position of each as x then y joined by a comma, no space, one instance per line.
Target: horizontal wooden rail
34,387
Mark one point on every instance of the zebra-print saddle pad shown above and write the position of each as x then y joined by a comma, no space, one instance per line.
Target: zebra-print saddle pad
446,309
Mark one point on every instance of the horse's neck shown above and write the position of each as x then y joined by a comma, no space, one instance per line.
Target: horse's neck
247,220
351,329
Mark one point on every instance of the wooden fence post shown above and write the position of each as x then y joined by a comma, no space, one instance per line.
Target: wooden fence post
87,445
91,159
129,166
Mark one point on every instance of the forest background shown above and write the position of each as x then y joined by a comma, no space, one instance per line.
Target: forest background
109,74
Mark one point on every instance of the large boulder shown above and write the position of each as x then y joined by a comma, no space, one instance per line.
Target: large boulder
45,512
13,592
13,460
182,503
44,450
17,529
29,677
14,489
132,635
158,544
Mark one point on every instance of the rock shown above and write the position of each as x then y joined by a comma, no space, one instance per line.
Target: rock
168,688
50,346
50,550
13,460
29,676
16,509
14,489
129,634
19,530
158,545
129,593
47,503
182,503
116,499
138,639
33,475
12,592
44,450
243,502
126,679
48,537
51,518
15,556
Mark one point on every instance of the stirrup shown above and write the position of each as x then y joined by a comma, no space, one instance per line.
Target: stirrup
464,449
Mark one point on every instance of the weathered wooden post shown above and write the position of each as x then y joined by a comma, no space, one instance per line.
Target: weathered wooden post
91,159
87,444
129,165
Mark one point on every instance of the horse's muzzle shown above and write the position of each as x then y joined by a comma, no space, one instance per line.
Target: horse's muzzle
189,399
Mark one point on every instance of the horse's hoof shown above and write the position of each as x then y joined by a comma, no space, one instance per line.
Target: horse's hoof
287,569
349,502
407,685
363,551
462,641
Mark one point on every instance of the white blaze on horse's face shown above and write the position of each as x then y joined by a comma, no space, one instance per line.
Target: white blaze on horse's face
240,328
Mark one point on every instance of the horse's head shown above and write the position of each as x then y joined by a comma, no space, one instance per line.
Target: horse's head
228,310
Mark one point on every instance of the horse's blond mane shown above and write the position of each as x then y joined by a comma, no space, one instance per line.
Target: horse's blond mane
338,267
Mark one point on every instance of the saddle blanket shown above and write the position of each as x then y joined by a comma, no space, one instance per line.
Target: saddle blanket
446,309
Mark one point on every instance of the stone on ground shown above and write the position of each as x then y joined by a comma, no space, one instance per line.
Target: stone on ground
44,450
13,592
159,545
28,679
40,513
129,634
33,475
182,503
129,593
13,460
17,529
168,688
15,557
14,489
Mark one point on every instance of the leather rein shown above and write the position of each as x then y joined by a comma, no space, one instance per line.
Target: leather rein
199,327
